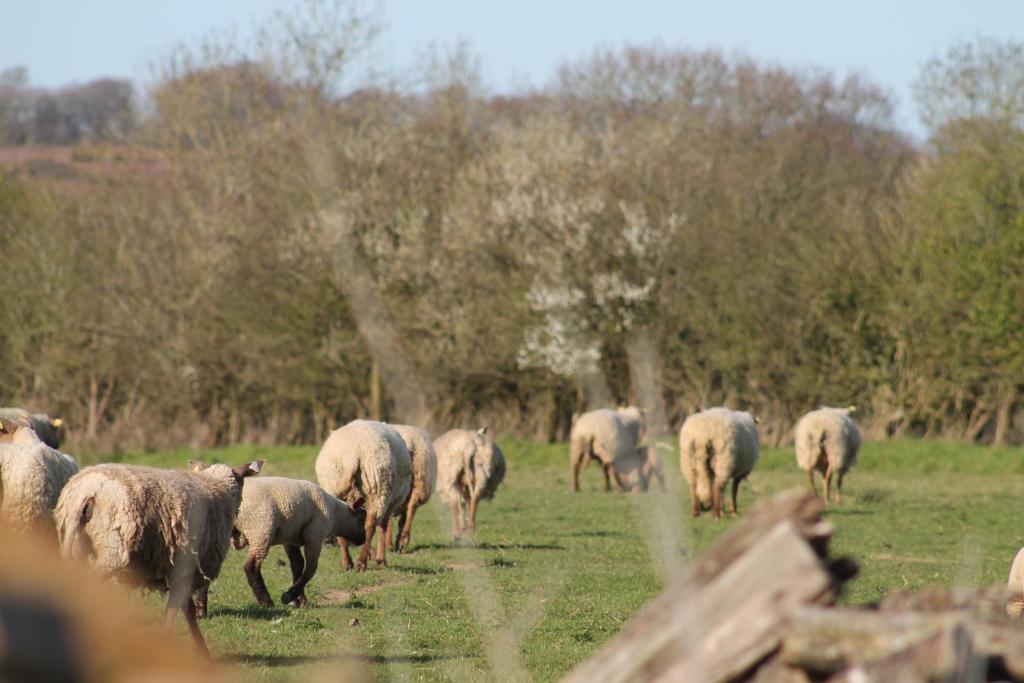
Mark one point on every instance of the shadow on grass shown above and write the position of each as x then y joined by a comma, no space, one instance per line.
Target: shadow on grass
294,660
846,512
250,612
466,545
597,534
426,571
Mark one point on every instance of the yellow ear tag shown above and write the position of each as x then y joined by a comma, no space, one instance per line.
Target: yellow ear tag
57,422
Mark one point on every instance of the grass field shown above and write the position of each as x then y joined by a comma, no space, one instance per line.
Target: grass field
554,575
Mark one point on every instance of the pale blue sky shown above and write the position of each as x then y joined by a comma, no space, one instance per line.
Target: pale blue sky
63,41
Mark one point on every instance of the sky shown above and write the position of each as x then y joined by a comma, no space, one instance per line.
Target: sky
522,42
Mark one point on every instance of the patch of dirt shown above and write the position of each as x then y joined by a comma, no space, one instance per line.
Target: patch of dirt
464,566
336,597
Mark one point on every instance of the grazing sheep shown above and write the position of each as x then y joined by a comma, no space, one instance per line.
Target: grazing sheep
294,513
1015,607
606,436
637,470
156,528
827,440
717,445
424,478
470,466
47,429
31,478
366,463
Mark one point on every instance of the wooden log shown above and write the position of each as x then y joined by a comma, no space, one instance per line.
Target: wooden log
943,655
825,641
721,617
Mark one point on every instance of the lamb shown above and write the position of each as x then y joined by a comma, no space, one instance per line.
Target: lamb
366,463
637,470
47,429
717,445
1015,607
154,528
827,440
606,436
470,466
32,475
424,478
296,514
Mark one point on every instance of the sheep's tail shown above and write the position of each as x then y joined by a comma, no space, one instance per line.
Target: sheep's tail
699,456
73,512
705,475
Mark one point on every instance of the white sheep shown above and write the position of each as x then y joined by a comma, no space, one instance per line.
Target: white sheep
31,478
470,466
366,463
294,513
424,479
606,436
1015,607
717,445
638,470
156,528
827,440
47,429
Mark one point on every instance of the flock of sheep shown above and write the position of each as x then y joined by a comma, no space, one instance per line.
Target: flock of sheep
716,446
171,530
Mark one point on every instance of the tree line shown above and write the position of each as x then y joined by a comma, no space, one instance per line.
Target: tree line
675,227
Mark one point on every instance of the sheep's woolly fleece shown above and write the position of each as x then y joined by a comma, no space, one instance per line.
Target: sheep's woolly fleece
716,445
32,476
468,463
424,462
367,460
609,435
1015,608
134,523
827,438
283,511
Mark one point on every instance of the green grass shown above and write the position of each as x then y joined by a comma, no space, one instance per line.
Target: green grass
554,575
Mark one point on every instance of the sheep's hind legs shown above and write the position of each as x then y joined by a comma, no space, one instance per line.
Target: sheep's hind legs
405,523
297,592
256,583
346,558
364,551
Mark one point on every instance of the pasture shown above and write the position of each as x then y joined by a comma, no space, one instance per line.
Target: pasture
553,575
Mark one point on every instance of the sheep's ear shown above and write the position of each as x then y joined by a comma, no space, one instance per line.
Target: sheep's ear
7,427
56,422
253,468
196,465
482,431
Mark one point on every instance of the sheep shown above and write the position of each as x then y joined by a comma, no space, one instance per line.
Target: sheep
46,428
368,463
294,513
606,436
31,478
827,440
470,466
717,445
637,470
424,478
153,528
1015,607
